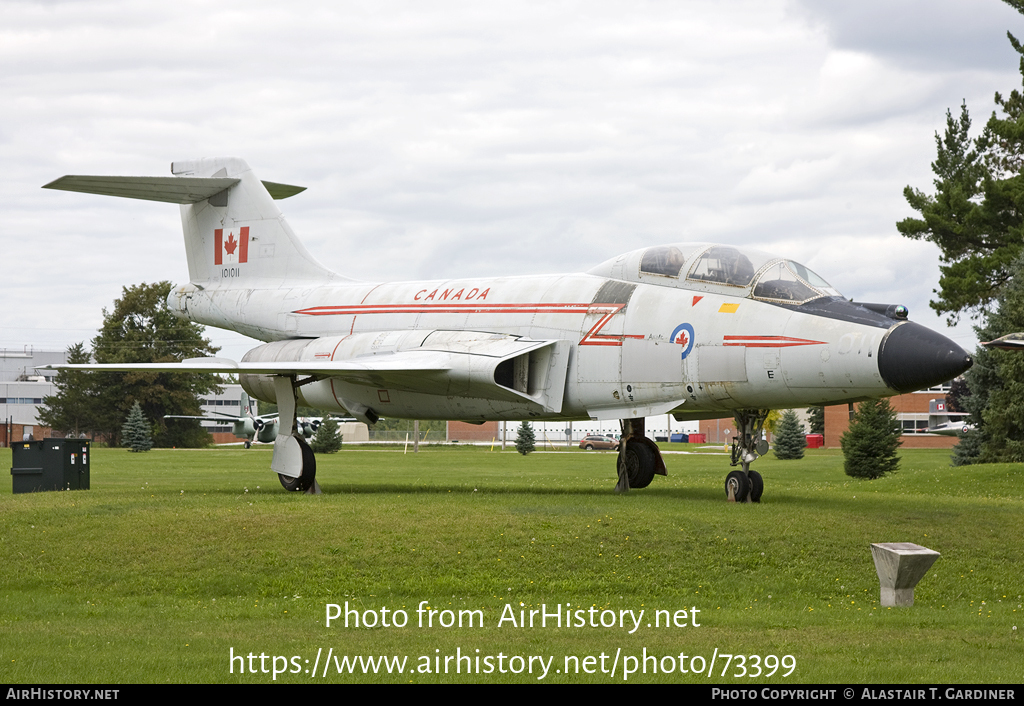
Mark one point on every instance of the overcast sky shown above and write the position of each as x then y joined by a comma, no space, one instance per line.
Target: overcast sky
449,139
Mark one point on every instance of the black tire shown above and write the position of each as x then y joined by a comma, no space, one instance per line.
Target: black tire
738,482
589,447
639,464
305,480
756,486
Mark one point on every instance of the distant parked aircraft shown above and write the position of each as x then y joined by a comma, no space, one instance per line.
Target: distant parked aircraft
252,428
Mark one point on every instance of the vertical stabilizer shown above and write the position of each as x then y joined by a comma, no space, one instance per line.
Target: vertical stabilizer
238,237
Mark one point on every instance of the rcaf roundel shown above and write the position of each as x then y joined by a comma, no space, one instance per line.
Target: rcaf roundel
683,335
231,249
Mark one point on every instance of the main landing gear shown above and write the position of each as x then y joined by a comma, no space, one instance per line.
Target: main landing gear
746,486
307,476
293,460
639,457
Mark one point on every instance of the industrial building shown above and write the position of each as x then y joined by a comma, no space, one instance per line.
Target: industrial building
22,389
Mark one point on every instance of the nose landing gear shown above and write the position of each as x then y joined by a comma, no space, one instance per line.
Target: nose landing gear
746,486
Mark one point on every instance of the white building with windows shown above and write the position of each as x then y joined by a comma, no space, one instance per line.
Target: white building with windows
22,389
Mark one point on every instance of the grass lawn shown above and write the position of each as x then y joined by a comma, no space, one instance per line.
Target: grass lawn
177,560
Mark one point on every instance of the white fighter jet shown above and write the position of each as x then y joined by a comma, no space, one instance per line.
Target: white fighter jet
693,329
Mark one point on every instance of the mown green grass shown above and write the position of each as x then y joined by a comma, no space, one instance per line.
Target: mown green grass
175,558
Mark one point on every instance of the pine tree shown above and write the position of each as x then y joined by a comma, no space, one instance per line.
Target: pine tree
976,214
136,434
789,437
326,440
996,382
525,439
816,419
968,448
870,443
72,408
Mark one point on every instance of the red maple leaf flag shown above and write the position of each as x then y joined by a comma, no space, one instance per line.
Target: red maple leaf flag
230,250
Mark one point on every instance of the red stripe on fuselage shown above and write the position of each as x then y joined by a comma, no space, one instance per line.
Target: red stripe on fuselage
768,341
448,308
593,337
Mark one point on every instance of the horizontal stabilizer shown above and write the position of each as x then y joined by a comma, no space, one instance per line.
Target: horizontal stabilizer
189,189
166,189
282,191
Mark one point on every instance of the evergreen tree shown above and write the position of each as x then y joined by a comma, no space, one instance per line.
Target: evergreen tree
816,419
525,439
789,437
976,215
72,408
968,448
958,391
869,445
326,439
996,384
135,434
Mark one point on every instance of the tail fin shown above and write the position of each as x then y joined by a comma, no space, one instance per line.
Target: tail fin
248,409
235,236
239,235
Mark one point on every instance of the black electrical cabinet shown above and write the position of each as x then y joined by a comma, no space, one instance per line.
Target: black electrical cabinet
50,464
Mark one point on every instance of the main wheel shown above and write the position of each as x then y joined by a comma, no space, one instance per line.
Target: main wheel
737,485
305,480
589,447
756,486
639,465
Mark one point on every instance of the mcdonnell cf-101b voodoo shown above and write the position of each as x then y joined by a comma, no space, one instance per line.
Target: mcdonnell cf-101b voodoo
693,329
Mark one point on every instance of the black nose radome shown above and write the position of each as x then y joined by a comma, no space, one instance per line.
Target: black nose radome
913,357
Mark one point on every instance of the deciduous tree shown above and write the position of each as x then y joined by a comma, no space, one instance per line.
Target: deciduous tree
139,329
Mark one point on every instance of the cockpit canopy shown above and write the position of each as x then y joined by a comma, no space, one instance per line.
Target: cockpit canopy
719,268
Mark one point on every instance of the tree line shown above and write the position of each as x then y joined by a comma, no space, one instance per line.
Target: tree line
976,218
139,329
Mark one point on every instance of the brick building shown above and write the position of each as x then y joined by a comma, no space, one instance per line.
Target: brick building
913,409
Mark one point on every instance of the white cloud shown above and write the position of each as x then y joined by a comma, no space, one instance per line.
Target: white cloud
463,138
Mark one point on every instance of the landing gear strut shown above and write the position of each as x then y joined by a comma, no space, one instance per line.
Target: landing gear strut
746,485
293,460
639,457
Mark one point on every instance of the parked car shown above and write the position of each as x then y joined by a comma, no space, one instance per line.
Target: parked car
598,442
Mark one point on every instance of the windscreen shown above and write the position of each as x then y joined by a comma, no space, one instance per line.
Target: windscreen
790,281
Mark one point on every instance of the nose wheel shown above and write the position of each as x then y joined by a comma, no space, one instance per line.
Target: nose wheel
743,487
747,486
